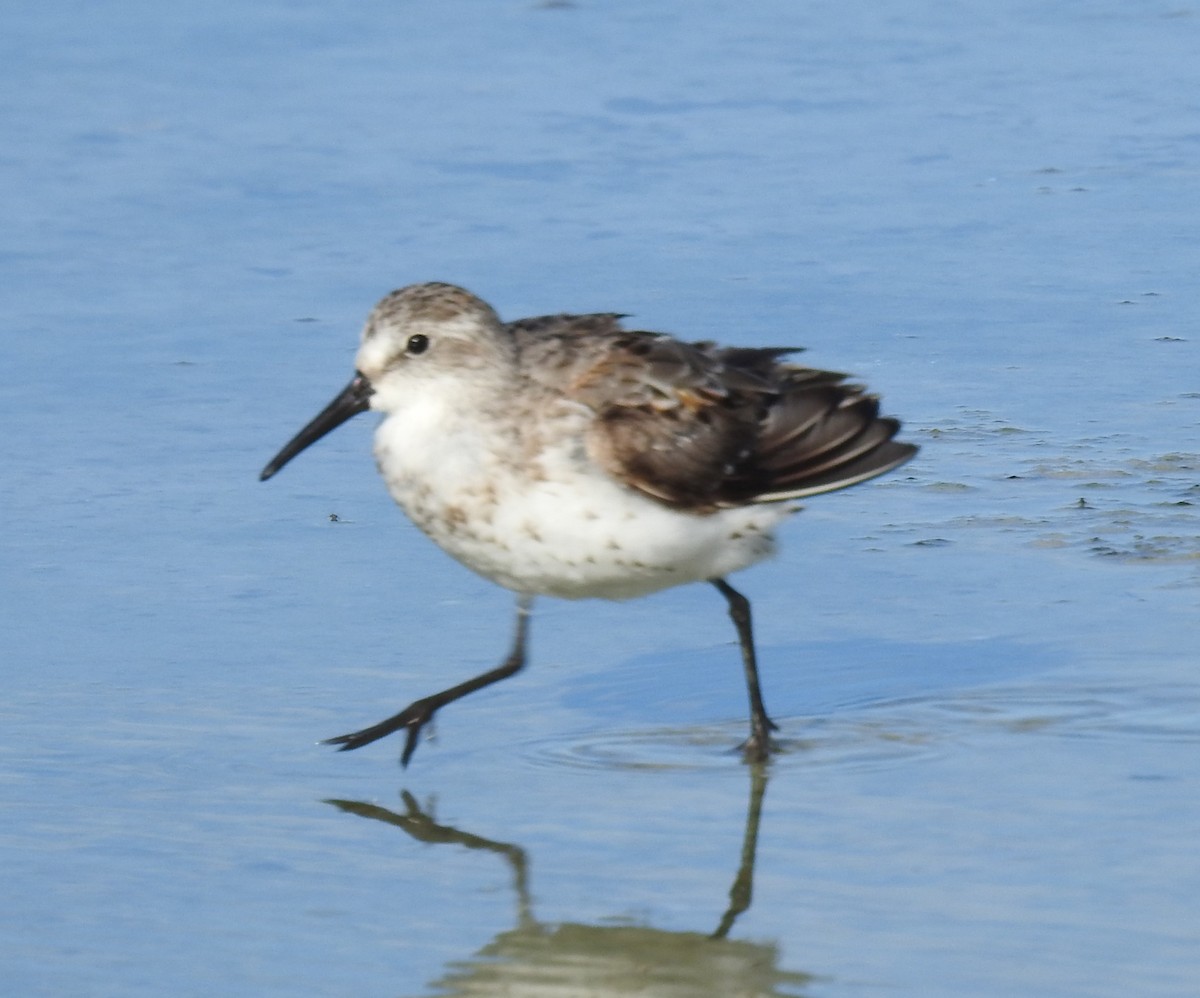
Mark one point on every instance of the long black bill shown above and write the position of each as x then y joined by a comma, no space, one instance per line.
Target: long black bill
352,400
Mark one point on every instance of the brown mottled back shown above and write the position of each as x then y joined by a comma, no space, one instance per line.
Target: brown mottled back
702,427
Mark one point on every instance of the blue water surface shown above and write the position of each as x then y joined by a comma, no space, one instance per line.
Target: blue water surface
984,666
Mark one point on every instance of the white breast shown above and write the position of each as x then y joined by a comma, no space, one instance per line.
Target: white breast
542,518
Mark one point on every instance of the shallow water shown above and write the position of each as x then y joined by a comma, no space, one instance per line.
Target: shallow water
984,666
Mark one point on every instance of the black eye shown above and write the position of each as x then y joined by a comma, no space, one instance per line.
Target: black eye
418,343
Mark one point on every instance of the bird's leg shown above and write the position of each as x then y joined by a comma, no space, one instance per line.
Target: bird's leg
420,712
758,746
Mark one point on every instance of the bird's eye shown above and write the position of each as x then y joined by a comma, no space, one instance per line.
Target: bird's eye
417,343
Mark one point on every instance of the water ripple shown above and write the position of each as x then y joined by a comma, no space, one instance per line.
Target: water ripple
895,732
851,742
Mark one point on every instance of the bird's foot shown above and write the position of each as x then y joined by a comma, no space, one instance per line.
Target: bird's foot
759,746
414,717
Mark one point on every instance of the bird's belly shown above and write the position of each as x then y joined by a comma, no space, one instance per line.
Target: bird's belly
583,535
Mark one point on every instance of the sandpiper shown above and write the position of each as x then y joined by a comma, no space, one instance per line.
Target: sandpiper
565,455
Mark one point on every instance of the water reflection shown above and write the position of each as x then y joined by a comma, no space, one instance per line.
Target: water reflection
609,960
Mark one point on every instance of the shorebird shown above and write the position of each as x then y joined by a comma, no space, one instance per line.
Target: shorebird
564,455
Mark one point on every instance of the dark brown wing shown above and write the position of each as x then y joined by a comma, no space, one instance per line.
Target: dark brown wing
818,436
702,427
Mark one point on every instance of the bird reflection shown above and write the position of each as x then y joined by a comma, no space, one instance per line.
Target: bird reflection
608,960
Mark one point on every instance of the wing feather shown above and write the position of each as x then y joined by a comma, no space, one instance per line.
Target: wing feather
701,427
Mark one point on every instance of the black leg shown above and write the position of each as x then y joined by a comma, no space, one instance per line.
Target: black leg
420,712
758,746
